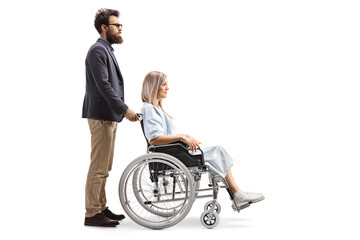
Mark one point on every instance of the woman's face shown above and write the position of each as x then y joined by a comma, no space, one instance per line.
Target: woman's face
162,92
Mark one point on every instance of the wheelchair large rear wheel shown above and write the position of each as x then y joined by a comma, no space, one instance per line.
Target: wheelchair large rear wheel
156,190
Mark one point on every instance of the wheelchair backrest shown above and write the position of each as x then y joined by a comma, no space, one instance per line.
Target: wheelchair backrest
142,127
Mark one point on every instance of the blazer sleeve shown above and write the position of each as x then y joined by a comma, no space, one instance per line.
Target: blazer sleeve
98,66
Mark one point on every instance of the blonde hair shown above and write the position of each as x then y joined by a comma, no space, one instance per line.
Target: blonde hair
151,85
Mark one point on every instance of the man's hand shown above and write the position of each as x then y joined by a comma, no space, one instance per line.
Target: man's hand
131,115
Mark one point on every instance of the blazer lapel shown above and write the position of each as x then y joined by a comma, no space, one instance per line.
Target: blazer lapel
112,56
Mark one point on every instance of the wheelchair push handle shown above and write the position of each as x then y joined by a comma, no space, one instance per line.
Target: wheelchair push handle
140,115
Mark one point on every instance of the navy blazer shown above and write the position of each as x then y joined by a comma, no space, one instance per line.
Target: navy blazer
104,97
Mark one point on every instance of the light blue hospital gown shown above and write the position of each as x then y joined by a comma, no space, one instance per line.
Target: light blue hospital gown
157,123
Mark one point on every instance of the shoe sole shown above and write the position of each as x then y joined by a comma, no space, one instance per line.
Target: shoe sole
96,225
257,200
116,219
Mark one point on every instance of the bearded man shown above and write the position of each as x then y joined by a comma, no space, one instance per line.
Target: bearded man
104,107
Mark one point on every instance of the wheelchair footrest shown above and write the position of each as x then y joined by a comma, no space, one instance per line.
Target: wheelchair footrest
241,207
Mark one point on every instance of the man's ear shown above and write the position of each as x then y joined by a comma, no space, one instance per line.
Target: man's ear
103,28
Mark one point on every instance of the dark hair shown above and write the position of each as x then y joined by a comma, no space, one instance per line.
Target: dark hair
102,17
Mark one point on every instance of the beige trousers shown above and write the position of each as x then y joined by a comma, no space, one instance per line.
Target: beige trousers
103,135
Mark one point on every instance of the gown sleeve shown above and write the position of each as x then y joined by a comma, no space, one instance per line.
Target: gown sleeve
153,123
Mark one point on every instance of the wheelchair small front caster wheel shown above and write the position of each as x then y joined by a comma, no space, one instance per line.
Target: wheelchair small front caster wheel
208,205
208,222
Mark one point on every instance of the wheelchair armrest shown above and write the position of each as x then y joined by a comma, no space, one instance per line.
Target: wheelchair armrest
179,143
181,151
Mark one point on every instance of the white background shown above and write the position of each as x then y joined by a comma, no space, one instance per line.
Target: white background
274,82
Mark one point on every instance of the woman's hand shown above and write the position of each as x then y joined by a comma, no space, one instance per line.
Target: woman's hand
191,142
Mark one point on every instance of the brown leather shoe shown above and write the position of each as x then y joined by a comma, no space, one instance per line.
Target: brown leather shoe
112,216
100,220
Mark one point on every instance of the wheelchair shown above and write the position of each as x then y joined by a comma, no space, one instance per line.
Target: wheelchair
157,190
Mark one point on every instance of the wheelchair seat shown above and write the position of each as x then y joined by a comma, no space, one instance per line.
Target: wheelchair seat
179,150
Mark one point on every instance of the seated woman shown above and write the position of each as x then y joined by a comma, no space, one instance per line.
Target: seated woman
159,130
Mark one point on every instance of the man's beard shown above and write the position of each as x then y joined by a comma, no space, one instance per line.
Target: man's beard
113,39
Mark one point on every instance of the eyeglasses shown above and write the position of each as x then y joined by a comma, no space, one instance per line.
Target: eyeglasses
116,25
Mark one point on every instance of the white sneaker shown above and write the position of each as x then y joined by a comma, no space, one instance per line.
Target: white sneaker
254,197
247,199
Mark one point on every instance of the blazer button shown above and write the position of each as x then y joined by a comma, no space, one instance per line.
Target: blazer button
122,99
